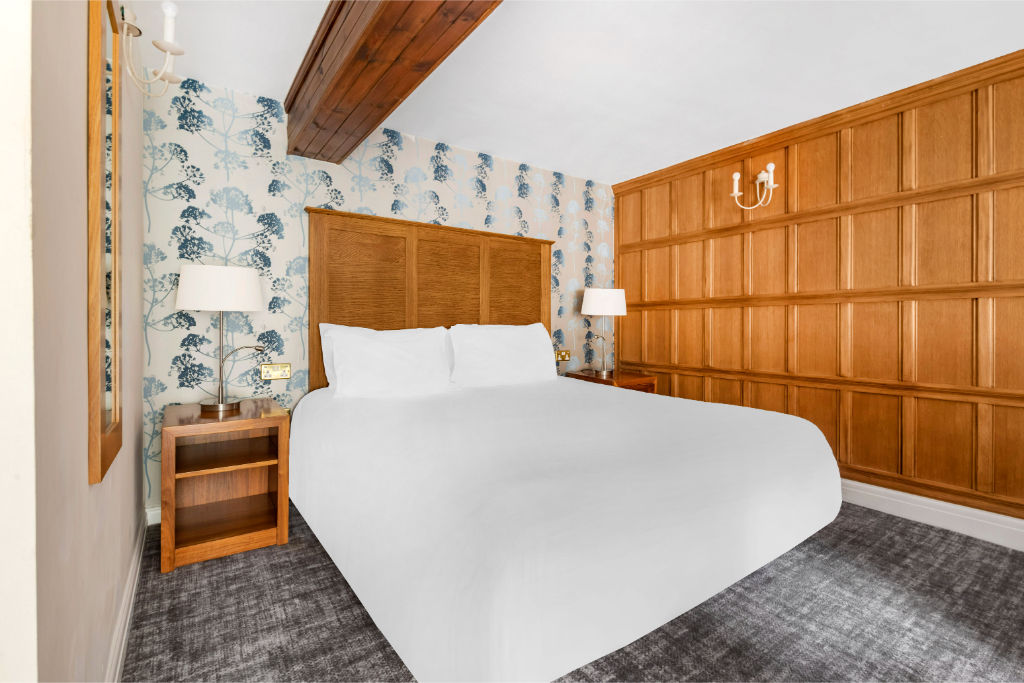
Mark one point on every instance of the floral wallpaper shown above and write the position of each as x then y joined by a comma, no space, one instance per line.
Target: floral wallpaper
218,188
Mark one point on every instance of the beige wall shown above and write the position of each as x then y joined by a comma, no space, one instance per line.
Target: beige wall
17,472
86,535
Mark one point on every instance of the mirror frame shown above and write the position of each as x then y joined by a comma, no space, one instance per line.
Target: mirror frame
104,424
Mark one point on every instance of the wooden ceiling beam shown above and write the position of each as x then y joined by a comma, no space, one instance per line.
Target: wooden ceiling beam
364,60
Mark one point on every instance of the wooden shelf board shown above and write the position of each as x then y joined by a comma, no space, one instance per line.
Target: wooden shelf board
197,459
200,524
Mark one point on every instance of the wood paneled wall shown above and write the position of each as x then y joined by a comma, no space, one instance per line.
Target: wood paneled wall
880,295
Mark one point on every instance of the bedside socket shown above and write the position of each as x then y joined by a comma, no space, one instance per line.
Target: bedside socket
275,371
562,355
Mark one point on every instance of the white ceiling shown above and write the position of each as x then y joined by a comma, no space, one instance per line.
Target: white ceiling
254,46
612,89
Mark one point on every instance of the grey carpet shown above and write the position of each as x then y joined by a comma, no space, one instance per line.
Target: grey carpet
870,597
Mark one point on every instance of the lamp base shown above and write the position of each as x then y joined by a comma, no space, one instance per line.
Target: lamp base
604,374
218,409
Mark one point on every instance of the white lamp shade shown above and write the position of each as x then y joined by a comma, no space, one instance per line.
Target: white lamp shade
603,301
219,288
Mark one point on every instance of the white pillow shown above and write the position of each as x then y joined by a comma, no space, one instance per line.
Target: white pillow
496,355
388,363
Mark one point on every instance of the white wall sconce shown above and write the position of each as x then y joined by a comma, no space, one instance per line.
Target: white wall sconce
765,185
130,35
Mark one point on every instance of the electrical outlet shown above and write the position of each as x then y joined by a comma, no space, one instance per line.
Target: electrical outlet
275,370
562,355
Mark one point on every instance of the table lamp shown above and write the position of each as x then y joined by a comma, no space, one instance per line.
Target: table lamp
220,288
603,302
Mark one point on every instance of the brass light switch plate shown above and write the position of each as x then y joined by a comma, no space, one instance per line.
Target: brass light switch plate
275,370
562,354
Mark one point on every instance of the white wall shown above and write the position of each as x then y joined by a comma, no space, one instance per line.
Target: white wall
17,473
85,535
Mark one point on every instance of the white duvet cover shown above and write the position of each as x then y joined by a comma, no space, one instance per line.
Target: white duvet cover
517,533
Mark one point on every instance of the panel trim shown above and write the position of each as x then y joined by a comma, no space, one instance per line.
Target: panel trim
914,389
981,524
894,200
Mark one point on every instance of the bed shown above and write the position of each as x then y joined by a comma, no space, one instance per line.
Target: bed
519,532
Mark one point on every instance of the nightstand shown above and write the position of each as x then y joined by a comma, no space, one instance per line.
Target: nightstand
223,483
625,380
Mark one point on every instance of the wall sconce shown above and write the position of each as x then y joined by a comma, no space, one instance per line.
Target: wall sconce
129,35
765,184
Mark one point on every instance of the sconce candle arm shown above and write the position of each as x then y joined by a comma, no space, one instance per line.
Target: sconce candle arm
765,184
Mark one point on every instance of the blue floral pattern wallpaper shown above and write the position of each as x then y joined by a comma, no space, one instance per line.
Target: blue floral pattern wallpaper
218,188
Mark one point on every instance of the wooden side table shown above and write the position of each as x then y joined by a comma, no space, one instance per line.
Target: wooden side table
223,483
626,380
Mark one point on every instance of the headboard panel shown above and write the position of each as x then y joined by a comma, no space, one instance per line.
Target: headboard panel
386,274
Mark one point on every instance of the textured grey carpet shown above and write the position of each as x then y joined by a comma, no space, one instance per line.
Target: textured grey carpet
870,597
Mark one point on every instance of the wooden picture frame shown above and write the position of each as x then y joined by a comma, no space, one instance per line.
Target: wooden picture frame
103,244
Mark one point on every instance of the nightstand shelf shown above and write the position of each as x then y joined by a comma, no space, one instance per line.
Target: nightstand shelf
224,482
197,459
215,521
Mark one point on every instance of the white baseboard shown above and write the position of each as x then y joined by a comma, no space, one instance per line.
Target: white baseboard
153,515
988,526
119,642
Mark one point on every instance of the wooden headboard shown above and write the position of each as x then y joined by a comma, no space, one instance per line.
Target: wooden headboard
387,274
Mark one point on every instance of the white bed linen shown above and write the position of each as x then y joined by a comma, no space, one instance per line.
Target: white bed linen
517,533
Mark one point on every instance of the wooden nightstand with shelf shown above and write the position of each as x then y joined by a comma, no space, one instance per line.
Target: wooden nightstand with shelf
224,482
626,380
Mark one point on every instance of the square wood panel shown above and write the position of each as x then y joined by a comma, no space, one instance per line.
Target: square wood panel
629,275
1007,125
658,274
875,431
1009,329
820,406
874,158
768,396
690,336
629,327
1008,451
768,261
689,265
448,283
725,391
1008,251
727,266
727,338
723,207
688,386
768,338
875,340
657,211
817,172
817,256
748,184
943,141
875,250
688,204
944,445
367,280
628,223
945,339
817,333
658,336
514,300
944,237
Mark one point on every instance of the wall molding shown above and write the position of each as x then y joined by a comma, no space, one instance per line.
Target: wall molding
987,526
153,515
119,641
